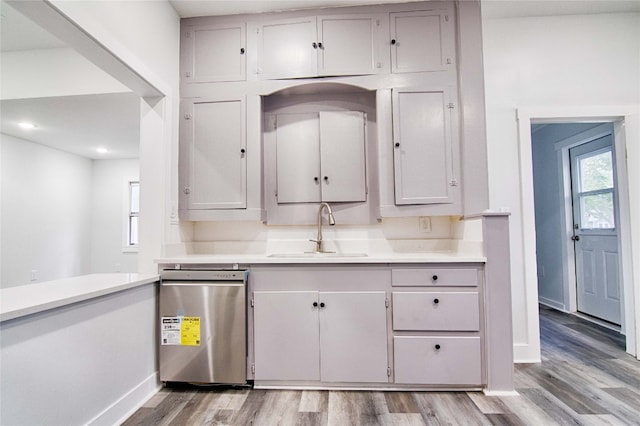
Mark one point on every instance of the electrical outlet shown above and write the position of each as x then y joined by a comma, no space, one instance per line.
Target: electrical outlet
425,224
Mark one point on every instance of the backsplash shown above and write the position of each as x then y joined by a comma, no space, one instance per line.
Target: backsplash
400,235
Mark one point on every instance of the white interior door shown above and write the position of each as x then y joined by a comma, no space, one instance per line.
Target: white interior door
595,232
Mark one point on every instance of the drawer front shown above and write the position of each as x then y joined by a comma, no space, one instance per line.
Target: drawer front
436,311
442,360
415,277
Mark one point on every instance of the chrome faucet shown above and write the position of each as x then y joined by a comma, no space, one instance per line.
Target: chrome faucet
332,222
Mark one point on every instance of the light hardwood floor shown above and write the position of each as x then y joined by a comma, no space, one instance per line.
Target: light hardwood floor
585,378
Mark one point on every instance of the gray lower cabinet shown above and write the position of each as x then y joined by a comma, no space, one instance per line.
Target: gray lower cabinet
320,336
437,326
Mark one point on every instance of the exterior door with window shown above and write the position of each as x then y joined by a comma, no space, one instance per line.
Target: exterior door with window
595,233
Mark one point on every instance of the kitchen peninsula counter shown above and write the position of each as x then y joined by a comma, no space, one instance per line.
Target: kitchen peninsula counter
19,301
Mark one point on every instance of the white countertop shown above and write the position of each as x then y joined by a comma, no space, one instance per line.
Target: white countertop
304,258
29,299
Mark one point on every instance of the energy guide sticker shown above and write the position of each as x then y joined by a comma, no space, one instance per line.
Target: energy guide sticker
183,331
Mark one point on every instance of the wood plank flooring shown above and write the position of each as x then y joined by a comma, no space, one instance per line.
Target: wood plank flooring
585,378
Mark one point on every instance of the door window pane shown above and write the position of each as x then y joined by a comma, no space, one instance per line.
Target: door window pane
596,172
597,211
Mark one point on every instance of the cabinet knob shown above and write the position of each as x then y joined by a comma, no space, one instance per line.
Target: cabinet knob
187,190
322,304
436,301
315,178
242,151
397,144
320,45
242,50
315,304
393,41
437,347
326,178
315,45
434,278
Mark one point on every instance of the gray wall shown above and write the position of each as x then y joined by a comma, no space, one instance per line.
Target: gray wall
549,211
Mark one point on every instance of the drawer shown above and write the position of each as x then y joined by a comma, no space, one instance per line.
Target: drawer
436,311
414,277
442,360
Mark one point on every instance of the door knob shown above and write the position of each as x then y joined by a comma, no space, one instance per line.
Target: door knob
576,238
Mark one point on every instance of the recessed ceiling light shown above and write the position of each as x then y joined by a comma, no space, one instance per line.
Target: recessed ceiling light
102,150
26,125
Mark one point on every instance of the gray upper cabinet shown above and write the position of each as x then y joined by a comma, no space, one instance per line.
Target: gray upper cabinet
319,46
320,156
422,41
423,150
213,143
215,52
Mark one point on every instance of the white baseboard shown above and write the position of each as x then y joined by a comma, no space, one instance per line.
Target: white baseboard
500,393
524,353
552,304
129,403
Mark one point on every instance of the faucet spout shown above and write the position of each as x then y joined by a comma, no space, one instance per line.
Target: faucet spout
330,218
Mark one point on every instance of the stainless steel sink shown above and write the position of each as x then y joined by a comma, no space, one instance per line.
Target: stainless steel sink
314,254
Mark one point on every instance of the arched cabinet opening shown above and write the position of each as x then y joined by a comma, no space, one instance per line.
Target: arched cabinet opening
320,146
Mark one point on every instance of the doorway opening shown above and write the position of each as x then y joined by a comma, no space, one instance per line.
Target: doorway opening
576,217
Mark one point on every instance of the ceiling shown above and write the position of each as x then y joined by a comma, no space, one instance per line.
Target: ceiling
79,124
75,124
490,8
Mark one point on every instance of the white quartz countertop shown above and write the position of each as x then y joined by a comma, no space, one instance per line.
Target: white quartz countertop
29,299
301,258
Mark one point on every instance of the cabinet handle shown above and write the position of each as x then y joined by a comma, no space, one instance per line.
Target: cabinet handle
397,144
242,50
437,347
393,41
436,301
322,304
315,304
315,45
434,278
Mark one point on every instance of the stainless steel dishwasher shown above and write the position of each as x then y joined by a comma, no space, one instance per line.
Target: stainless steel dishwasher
203,326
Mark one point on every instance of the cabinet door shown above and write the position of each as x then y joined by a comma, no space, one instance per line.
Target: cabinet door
347,45
286,335
422,157
286,49
214,53
298,158
215,139
342,142
353,337
421,41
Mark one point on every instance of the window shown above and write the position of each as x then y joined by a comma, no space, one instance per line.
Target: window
134,214
596,190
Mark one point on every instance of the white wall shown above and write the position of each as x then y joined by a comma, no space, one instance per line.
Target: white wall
46,212
109,206
586,60
548,184
62,215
